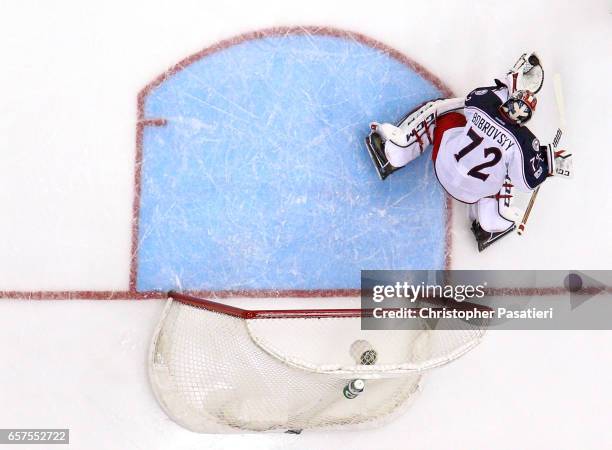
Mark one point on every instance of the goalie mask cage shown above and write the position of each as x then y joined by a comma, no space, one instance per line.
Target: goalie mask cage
219,368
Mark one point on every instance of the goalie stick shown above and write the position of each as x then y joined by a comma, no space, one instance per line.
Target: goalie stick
561,110
532,199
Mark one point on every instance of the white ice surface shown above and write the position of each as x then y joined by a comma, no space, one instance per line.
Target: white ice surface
68,83
81,365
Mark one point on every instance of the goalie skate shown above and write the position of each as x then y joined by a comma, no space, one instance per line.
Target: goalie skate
376,149
486,238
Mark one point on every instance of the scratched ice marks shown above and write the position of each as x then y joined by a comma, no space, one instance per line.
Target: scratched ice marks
260,179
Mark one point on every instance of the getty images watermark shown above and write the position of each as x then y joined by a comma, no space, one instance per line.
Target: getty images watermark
493,299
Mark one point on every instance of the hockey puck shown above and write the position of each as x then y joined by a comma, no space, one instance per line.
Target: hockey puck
573,282
368,357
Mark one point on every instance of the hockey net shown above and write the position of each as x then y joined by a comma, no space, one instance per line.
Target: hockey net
218,368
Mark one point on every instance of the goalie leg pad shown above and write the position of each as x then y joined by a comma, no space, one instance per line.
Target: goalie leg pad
399,156
407,140
488,225
397,151
489,215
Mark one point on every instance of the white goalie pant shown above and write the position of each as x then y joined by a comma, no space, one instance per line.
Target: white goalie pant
486,211
408,140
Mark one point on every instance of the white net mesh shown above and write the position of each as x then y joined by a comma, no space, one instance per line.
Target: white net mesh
214,372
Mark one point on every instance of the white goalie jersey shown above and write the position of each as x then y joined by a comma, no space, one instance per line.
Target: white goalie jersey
473,161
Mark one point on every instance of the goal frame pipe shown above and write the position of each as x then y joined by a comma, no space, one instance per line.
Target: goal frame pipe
319,313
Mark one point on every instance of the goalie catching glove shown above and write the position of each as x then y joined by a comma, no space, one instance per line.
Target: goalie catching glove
526,74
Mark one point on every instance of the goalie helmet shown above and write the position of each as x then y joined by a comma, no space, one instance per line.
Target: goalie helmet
519,107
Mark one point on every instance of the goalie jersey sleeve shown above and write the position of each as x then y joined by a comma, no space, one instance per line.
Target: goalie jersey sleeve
473,162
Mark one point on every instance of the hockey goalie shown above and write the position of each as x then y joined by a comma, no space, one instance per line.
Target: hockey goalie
480,143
